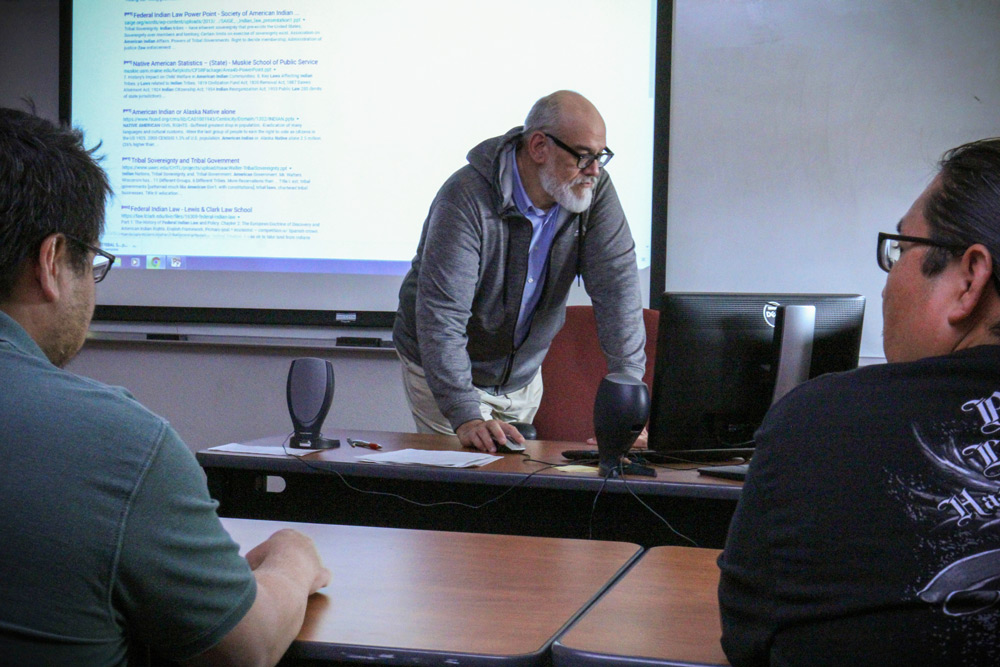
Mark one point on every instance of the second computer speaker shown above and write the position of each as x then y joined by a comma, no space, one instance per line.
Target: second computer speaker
621,409
310,393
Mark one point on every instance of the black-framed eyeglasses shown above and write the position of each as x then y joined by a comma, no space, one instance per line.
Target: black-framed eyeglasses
102,260
584,160
889,250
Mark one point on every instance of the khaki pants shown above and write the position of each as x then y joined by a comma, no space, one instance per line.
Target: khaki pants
517,406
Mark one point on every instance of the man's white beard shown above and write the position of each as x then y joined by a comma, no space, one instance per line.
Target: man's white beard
563,193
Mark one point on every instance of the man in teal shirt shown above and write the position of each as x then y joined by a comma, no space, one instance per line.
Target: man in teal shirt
112,551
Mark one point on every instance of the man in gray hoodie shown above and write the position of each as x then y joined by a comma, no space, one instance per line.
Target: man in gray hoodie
486,293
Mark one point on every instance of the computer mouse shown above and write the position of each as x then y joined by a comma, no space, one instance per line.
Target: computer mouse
508,447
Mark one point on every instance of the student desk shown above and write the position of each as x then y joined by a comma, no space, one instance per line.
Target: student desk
511,496
410,597
664,611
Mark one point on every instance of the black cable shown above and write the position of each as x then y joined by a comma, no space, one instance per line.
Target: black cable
621,475
593,508
417,503
654,513
527,459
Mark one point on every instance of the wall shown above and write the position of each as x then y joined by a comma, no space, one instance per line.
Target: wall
29,54
211,394
218,394
798,130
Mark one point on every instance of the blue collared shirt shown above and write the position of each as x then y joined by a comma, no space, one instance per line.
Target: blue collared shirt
543,231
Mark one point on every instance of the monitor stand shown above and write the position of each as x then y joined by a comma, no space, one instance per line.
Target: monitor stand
667,456
697,455
737,472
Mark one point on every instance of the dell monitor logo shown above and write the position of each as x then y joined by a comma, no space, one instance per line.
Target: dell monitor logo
771,312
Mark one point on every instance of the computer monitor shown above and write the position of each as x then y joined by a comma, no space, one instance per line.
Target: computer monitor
715,370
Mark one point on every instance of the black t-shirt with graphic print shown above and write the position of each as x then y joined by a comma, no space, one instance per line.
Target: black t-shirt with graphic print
868,530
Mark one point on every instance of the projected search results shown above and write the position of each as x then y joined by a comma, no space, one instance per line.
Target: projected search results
215,136
311,135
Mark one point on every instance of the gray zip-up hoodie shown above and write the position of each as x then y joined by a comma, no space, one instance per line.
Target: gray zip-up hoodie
459,303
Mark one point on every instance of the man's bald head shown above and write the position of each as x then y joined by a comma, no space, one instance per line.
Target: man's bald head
562,110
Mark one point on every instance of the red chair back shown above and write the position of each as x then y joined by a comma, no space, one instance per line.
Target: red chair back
572,370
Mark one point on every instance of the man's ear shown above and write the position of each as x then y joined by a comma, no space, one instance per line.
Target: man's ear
51,262
538,147
975,279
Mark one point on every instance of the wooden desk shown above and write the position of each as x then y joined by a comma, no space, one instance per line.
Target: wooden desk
541,501
431,598
664,611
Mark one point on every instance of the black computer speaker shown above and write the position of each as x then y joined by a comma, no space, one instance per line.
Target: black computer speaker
621,409
310,393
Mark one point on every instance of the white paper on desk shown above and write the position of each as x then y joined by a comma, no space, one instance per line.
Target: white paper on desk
261,451
427,457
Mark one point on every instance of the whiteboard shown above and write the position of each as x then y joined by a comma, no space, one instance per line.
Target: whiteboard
799,129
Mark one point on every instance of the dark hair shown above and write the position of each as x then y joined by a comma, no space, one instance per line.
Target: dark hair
49,183
965,208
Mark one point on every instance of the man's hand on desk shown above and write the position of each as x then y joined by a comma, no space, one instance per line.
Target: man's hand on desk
642,442
290,547
483,435
288,570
